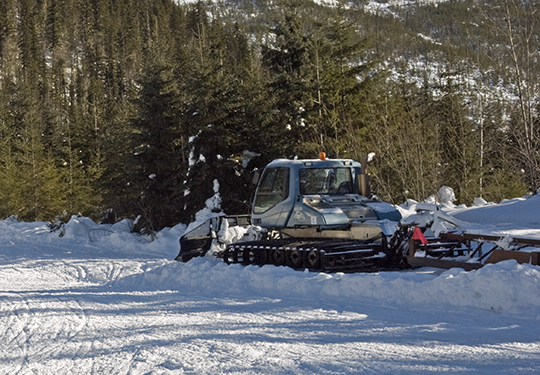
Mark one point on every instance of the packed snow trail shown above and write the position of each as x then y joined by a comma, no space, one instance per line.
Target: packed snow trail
119,305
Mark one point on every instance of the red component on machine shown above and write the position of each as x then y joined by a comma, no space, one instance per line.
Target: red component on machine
418,235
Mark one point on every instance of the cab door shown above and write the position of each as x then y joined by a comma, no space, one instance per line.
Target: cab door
271,207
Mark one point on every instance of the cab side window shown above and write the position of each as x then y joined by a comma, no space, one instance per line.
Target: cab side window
274,188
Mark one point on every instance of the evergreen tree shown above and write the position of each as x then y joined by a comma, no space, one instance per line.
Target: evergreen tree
8,167
346,77
156,185
218,107
286,57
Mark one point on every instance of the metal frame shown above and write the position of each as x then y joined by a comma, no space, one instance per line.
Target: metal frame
446,250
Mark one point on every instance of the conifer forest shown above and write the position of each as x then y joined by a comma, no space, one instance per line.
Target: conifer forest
139,106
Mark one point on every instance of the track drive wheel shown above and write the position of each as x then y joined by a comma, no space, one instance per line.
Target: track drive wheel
312,259
295,258
277,256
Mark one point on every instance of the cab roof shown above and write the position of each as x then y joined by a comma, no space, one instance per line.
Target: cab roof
313,163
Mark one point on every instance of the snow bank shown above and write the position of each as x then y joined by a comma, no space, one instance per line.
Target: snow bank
506,287
515,212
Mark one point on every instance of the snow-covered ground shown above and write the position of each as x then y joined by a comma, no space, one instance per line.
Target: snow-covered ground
99,300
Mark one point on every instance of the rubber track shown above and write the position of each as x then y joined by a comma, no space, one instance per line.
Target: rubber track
311,254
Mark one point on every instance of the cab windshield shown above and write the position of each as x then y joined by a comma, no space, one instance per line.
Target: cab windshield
325,181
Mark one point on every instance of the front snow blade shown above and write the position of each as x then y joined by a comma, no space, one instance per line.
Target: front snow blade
197,241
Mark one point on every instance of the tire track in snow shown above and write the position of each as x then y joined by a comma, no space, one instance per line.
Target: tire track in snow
14,334
44,321
42,318
35,330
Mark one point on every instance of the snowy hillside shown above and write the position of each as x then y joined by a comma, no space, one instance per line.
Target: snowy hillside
383,7
100,300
